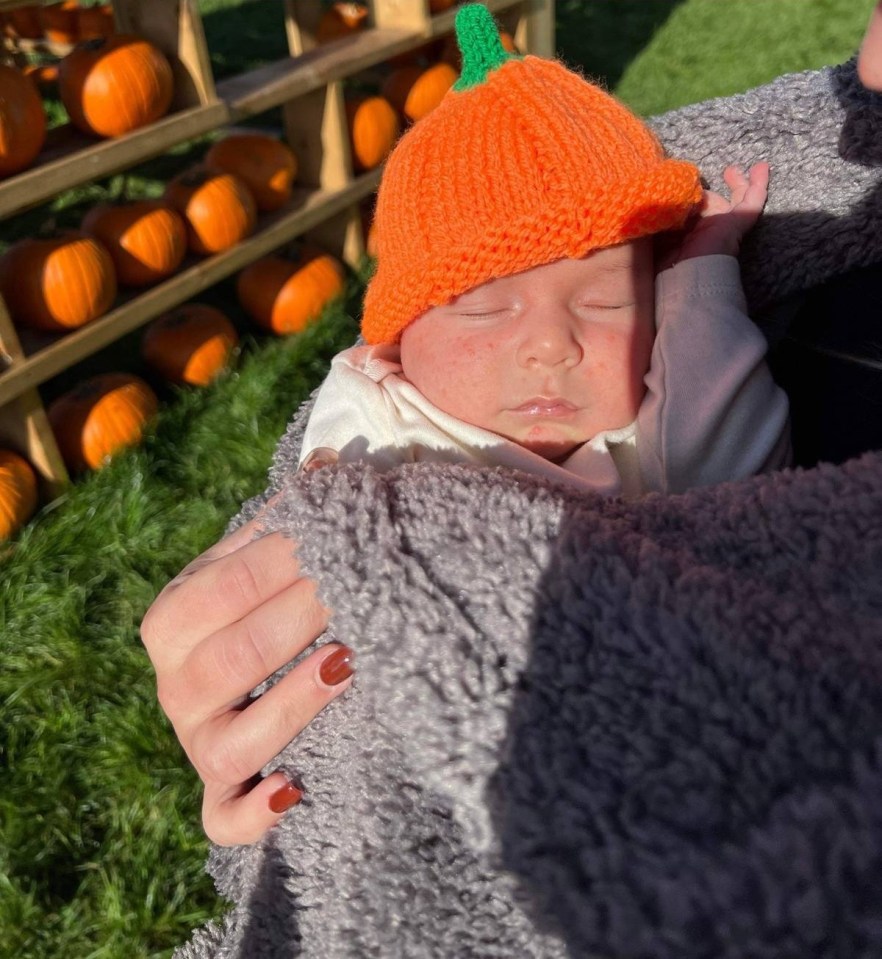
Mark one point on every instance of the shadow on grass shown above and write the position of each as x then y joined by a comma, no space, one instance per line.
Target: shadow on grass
244,37
604,36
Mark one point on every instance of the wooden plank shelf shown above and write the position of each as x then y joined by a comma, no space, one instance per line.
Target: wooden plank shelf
72,158
307,209
283,80
12,4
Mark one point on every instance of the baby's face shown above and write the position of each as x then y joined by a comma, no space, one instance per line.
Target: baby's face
548,357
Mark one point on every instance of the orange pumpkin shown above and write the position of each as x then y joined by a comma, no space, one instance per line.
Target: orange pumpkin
192,344
59,22
22,121
147,240
57,283
112,85
18,492
283,295
218,208
341,19
24,23
373,130
414,92
265,165
99,417
95,22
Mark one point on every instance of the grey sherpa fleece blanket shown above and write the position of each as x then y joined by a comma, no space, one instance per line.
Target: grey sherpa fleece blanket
589,727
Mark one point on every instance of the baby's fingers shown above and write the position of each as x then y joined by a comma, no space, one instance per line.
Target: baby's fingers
748,192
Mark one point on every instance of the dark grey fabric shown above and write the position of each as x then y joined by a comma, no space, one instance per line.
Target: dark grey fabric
584,726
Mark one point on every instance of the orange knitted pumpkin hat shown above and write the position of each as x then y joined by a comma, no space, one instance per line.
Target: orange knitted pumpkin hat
522,163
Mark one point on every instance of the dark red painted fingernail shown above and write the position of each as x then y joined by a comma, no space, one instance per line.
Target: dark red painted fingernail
286,797
339,666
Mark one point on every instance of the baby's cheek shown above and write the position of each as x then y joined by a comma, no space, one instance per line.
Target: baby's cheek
467,379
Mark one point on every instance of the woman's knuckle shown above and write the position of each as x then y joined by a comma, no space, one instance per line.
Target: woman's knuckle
250,655
302,700
219,760
239,583
229,662
154,627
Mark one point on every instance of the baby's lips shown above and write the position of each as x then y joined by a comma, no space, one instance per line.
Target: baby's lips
317,458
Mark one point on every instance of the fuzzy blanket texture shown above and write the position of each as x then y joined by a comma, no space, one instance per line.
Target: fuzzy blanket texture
590,727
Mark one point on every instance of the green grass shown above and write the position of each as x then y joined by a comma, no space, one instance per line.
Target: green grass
660,54
101,850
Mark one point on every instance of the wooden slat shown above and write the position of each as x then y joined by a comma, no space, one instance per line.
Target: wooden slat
12,4
342,234
10,345
174,26
307,211
409,14
317,130
443,23
23,423
535,29
24,427
275,83
77,159
301,24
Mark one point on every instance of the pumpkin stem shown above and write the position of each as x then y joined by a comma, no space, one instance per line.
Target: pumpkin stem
176,318
94,43
482,50
196,176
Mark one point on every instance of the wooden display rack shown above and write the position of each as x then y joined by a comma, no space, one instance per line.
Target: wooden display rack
308,85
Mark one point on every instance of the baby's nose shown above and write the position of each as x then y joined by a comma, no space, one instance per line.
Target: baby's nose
550,342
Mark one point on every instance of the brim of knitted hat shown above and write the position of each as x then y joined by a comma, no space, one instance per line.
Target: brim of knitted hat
659,199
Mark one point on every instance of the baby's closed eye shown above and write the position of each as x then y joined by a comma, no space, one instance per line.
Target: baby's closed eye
602,306
479,314
478,308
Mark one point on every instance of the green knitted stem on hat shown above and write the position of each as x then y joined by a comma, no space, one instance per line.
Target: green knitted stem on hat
482,50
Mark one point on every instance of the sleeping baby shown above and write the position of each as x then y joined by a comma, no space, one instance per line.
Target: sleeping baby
555,295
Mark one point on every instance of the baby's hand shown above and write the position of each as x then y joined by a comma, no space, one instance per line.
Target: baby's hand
722,224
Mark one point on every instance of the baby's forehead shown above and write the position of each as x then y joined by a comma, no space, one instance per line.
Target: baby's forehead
600,266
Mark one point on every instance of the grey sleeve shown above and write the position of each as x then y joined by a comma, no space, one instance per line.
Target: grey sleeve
712,411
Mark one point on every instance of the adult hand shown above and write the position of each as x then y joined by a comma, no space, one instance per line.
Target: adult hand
231,618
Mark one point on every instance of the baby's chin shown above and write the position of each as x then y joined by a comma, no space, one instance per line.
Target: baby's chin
551,451
545,444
